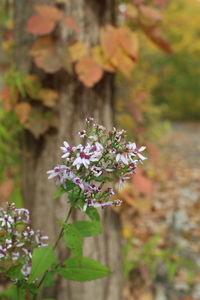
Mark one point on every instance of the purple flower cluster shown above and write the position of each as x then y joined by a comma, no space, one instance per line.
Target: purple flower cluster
103,156
18,239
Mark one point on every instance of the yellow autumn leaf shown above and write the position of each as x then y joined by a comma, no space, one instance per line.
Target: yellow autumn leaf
99,56
48,97
77,51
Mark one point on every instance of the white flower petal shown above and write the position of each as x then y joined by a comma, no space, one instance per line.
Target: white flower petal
118,157
66,144
124,159
141,156
141,148
52,175
63,149
65,155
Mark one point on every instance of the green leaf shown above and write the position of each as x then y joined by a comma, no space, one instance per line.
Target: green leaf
74,195
59,192
171,270
15,272
88,228
49,279
24,285
84,269
103,178
73,240
43,258
14,293
70,185
93,213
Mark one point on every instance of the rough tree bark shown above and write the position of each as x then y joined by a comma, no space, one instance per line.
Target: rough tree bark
75,104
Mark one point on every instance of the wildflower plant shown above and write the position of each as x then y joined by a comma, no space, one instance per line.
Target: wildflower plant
86,175
87,168
18,241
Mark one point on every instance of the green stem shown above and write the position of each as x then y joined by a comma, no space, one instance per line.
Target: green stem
54,247
63,229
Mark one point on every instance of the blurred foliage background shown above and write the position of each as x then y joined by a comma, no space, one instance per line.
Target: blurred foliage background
163,88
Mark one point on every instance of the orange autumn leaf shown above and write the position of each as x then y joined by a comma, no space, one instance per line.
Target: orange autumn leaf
109,42
128,41
38,25
123,62
120,47
150,12
155,34
41,45
23,111
112,38
69,21
49,12
88,71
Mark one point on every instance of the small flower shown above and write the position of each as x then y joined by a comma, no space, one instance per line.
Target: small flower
67,150
122,181
79,182
123,156
15,256
133,147
105,204
26,270
2,254
112,151
89,119
61,173
117,202
84,209
19,240
82,133
97,171
100,127
94,187
97,147
105,168
85,157
110,192
6,221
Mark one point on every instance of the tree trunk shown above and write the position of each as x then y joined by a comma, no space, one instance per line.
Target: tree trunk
75,104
